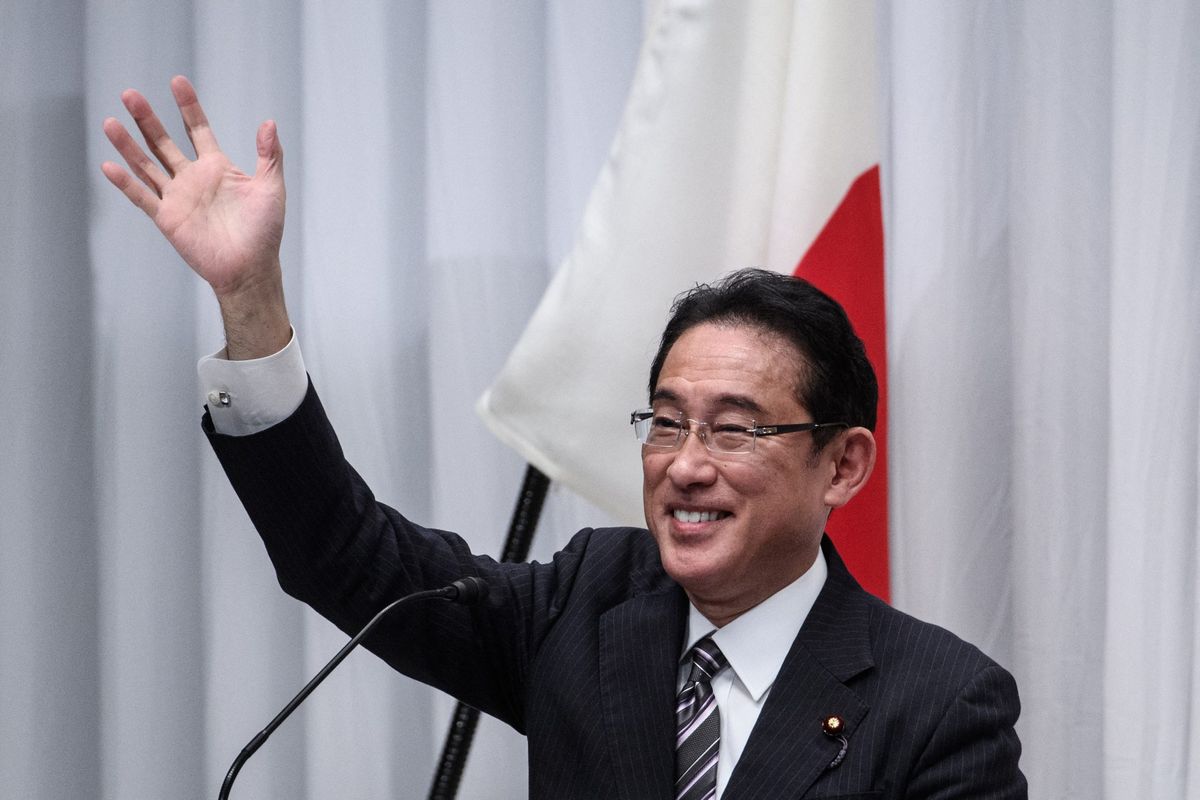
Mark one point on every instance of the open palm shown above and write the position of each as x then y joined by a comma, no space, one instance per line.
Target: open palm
226,225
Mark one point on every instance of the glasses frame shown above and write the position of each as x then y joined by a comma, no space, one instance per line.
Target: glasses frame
755,430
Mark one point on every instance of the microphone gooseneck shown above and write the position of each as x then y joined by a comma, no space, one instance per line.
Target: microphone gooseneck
466,591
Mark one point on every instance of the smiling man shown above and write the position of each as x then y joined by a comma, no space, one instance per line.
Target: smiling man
760,425
724,652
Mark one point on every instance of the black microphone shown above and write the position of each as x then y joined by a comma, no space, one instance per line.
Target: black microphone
468,591
464,590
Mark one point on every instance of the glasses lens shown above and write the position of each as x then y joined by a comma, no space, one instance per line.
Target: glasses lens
660,429
731,435
666,429
641,425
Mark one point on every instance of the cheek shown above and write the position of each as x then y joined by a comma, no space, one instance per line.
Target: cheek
653,477
778,495
752,482
654,470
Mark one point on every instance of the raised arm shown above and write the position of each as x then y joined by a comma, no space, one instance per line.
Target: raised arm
226,225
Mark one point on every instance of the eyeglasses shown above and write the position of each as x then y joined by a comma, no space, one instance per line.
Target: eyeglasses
730,434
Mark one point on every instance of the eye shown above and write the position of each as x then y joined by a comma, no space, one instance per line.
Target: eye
664,422
731,426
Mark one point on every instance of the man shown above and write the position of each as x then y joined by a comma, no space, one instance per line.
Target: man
724,652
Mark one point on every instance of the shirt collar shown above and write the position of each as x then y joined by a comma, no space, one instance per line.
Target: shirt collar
757,641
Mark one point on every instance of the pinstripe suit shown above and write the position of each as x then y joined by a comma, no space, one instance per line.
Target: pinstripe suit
581,654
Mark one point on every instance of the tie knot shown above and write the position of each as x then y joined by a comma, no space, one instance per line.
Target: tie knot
707,660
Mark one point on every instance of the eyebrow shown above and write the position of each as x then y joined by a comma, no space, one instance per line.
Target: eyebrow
730,400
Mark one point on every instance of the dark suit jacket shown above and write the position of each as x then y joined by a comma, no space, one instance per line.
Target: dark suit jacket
581,654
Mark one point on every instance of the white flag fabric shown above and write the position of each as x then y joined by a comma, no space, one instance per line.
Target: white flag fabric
745,128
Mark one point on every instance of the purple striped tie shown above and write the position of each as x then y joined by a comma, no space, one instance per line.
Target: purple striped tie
698,726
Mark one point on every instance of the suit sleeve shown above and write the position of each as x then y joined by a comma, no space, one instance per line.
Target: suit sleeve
347,555
974,751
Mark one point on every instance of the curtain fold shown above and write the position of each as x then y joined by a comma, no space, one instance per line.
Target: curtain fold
1152,545
48,637
1061,315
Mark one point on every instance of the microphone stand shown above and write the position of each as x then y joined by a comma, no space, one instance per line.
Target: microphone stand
467,590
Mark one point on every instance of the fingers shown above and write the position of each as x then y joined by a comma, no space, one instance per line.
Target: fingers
194,120
138,194
157,139
148,172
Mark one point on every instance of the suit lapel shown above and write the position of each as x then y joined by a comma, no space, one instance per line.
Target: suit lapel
787,750
638,664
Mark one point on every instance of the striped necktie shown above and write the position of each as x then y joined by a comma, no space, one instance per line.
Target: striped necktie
698,726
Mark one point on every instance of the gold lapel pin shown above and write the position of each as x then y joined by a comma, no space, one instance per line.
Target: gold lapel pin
834,727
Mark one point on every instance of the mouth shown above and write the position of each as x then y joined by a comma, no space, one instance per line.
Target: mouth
694,516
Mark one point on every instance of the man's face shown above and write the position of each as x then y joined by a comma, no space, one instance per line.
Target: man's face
761,514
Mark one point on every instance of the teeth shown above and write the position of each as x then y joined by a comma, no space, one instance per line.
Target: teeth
698,516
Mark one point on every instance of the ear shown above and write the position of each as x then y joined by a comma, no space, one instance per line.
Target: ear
853,458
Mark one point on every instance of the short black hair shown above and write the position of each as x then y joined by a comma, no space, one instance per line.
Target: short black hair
836,382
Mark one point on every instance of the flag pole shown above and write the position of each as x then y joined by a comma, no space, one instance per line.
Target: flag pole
465,719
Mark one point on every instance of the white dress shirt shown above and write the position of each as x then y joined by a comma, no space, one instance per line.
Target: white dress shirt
245,397
755,644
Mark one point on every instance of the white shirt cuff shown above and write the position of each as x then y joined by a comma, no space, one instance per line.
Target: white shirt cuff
246,397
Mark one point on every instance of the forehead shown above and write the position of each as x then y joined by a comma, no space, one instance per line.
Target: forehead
715,364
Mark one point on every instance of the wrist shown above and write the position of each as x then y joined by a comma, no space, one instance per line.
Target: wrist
255,317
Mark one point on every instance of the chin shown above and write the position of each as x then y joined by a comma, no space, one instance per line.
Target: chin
692,573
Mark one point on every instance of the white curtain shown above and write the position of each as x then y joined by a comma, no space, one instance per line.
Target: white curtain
1042,193
437,158
1043,224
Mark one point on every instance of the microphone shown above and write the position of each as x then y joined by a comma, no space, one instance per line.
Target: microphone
466,591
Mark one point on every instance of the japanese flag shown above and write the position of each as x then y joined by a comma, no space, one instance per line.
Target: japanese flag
750,138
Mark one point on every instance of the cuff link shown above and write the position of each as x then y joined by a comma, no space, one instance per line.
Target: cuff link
219,398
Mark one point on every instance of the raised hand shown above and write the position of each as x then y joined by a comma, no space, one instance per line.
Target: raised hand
226,225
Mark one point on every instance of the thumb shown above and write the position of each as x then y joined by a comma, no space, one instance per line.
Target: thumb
270,152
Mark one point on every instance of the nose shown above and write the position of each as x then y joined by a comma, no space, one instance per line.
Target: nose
692,464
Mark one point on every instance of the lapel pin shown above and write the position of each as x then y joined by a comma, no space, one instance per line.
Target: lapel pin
834,727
